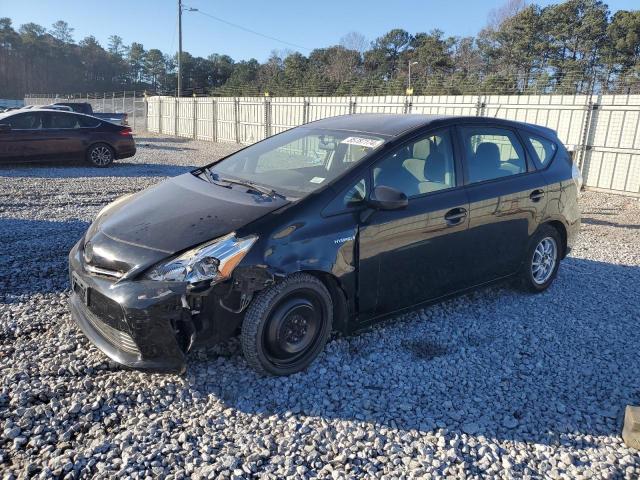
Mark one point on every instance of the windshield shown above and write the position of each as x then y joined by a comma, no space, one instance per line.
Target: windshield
298,161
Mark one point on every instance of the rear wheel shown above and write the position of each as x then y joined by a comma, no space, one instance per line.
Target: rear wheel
542,261
287,325
100,155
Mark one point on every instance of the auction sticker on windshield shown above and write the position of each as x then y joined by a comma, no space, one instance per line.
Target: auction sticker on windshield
363,142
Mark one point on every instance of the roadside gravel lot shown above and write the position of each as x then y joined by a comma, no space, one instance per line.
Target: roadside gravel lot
496,383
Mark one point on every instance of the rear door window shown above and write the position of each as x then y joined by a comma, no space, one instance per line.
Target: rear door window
60,120
492,153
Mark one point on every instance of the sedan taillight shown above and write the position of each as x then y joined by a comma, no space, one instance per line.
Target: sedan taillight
125,132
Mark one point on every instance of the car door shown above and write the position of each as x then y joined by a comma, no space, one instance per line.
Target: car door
412,255
23,140
63,133
507,198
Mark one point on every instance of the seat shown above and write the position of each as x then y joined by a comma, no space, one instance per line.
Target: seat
398,178
434,172
415,164
393,173
486,163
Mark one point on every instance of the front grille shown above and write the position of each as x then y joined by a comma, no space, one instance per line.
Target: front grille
109,311
117,338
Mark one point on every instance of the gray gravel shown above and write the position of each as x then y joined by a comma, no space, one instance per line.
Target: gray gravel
495,383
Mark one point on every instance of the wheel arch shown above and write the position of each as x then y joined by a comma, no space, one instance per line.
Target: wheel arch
562,231
338,297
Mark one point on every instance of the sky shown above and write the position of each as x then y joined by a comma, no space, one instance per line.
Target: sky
307,24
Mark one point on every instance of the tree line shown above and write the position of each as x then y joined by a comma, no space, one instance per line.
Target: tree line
569,47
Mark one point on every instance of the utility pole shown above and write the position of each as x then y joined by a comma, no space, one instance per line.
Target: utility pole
179,48
409,89
180,10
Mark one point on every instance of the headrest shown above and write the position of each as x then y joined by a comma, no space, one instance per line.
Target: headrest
435,168
422,149
488,153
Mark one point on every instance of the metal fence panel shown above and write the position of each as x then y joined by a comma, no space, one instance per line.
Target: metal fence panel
226,119
566,114
603,130
287,112
324,107
612,160
185,118
153,115
251,120
380,104
445,104
204,119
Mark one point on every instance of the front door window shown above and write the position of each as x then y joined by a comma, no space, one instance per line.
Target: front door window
424,165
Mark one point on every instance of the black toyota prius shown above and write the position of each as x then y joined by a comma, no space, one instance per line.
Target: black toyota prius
326,227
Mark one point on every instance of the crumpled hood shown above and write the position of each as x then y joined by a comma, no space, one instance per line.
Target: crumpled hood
182,212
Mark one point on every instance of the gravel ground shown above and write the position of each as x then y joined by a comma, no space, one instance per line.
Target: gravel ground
496,383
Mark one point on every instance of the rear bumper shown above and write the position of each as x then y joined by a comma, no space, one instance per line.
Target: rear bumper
137,324
125,152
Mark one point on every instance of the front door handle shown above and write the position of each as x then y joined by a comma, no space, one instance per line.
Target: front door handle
455,216
536,195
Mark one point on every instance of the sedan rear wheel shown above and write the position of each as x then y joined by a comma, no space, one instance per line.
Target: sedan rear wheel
100,155
287,325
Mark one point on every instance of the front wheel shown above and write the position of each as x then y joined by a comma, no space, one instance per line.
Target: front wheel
287,325
542,261
100,155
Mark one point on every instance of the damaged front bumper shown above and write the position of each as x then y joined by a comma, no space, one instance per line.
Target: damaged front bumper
141,324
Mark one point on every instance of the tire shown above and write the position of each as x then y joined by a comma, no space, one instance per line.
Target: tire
100,155
287,325
545,249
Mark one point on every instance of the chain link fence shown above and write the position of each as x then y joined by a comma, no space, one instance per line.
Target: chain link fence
130,102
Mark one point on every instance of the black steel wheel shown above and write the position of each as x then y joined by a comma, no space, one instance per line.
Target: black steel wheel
100,155
287,325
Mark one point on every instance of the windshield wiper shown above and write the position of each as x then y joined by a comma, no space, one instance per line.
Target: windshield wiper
214,177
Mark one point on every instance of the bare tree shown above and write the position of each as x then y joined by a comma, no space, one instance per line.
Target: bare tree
355,41
510,9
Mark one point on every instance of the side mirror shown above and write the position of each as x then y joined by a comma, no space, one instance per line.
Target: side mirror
5,128
387,198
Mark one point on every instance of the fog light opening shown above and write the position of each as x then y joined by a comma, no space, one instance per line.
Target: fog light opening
185,334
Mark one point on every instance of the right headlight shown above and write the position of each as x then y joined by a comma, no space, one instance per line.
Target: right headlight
214,261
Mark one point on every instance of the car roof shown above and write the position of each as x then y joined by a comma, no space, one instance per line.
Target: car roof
44,110
394,125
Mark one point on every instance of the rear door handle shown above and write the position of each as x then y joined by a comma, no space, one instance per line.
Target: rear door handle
455,216
536,195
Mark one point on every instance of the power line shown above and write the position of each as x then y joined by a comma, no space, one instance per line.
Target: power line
251,31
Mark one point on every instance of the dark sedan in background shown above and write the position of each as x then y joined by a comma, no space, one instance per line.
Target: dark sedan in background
42,135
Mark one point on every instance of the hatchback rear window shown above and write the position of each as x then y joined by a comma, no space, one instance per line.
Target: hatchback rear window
544,149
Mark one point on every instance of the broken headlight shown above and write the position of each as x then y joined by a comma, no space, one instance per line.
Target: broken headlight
213,261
